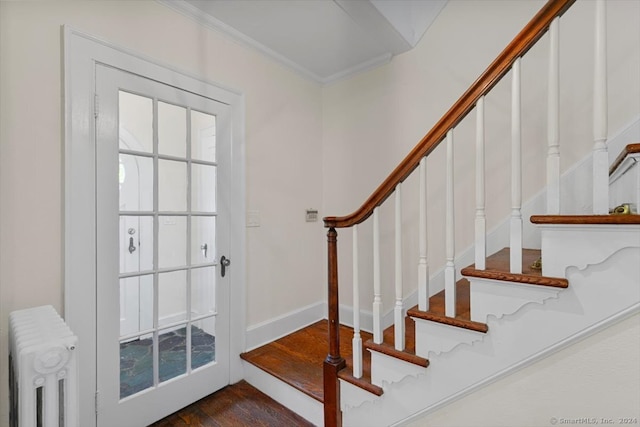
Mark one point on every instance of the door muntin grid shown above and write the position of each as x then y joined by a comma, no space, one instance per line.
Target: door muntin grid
167,184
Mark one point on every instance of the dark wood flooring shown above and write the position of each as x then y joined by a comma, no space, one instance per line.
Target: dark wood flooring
234,406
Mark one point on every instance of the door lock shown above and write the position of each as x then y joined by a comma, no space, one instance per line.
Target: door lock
224,263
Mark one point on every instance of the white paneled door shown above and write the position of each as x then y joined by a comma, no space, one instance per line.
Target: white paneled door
162,180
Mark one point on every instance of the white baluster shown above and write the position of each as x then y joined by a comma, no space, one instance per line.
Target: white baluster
377,294
516,173
357,339
397,311
553,120
450,268
480,221
423,263
600,154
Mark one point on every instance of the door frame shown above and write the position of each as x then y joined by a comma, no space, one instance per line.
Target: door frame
81,53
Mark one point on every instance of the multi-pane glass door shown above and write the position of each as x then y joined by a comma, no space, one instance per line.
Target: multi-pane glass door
162,151
167,241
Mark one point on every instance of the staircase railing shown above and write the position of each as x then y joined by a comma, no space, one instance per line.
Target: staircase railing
547,19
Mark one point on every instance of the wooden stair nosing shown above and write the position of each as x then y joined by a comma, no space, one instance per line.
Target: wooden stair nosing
363,382
527,279
451,321
585,219
390,350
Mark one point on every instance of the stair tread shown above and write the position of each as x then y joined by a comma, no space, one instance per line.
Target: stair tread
436,312
586,219
297,359
497,268
390,350
363,382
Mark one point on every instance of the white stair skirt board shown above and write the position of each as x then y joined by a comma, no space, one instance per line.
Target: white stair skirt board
597,297
388,369
584,244
300,403
352,396
434,338
497,298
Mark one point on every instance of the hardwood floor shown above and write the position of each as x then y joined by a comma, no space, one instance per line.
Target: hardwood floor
236,405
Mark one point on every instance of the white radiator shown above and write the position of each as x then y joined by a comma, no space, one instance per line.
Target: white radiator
43,376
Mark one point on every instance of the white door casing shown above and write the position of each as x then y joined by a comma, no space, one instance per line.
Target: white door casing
82,53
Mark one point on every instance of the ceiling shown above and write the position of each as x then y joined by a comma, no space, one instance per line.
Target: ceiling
324,40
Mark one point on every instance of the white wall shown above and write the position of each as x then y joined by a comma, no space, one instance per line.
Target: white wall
283,140
372,120
303,142
596,378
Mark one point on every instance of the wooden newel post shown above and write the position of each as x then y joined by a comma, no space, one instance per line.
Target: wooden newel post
334,362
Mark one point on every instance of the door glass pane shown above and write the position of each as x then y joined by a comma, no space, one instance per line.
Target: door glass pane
203,295
135,179
172,349
172,130
172,186
172,297
136,243
136,365
203,136
203,239
136,304
203,188
203,342
135,114
172,241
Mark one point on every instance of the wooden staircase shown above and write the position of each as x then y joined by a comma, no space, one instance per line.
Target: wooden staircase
487,323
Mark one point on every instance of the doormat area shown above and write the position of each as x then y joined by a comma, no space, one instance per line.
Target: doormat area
136,358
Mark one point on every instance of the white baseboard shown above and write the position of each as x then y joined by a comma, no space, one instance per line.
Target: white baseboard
271,330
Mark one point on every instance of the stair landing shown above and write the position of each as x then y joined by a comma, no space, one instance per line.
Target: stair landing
297,359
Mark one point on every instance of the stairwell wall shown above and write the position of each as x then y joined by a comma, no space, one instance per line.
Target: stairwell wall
596,379
371,121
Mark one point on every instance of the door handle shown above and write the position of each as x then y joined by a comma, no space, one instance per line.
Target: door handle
224,263
132,247
204,248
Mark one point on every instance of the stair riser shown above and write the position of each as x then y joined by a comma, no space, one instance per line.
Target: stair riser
352,396
514,341
388,369
278,390
580,245
436,338
498,298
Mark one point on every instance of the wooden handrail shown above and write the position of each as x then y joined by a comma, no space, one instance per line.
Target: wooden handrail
529,35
